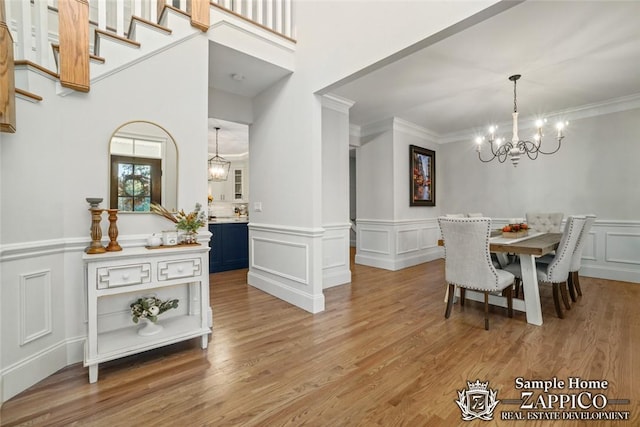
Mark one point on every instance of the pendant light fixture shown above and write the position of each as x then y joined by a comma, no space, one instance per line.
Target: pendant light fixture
218,166
501,148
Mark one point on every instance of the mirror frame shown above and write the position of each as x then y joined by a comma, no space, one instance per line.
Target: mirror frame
177,160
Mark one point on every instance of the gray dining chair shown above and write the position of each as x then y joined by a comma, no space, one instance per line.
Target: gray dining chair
545,222
468,262
557,271
573,281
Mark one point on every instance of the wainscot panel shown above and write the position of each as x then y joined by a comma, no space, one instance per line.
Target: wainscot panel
280,263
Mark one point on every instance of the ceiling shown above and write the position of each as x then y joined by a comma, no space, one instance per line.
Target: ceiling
233,138
569,54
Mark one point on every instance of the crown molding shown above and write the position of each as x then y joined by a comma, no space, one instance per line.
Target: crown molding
337,103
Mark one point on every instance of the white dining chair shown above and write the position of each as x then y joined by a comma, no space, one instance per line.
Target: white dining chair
573,281
557,271
468,262
545,222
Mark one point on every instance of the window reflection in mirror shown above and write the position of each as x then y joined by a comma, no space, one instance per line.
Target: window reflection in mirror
143,168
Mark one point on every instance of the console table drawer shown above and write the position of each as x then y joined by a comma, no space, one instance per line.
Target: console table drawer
111,277
178,269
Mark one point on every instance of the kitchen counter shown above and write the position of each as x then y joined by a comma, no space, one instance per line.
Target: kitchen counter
227,219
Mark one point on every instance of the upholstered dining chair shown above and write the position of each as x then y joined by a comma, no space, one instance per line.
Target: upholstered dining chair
557,271
468,262
545,222
573,281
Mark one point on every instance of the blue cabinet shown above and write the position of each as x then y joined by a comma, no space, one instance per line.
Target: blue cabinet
229,247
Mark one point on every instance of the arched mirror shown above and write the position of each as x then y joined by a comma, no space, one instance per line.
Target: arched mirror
143,168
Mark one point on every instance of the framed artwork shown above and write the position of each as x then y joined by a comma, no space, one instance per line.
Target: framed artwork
422,176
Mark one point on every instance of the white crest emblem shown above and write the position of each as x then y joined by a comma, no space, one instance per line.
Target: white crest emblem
477,401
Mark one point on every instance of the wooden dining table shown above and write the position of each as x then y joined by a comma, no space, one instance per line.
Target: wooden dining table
528,248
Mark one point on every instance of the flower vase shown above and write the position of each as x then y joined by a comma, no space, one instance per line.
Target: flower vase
190,237
148,328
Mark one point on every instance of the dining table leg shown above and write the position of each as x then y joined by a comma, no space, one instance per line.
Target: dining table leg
530,288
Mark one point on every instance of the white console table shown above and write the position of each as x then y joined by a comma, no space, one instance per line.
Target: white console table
138,272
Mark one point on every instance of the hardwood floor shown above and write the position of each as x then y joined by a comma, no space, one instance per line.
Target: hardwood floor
381,353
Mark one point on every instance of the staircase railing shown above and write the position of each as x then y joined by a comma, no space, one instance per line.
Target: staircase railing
34,25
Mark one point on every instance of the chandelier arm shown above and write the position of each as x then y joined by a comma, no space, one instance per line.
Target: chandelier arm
529,148
554,151
503,152
485,161
491,148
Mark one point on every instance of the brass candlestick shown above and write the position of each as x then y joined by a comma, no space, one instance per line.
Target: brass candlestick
113,245
96,232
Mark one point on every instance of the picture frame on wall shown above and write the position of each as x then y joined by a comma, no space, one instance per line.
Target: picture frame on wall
422,176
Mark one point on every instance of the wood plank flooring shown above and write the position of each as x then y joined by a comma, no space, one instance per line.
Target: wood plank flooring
381,354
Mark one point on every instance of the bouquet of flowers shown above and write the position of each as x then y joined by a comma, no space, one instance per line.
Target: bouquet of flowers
189,222
192,221
150,308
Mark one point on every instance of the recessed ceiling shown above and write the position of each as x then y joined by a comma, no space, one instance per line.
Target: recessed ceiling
569,54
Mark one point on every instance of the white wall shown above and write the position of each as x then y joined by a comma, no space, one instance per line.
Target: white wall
594,171
391,233
228,106
62,145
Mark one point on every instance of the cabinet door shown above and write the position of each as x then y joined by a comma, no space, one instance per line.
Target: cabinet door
237,184
221,190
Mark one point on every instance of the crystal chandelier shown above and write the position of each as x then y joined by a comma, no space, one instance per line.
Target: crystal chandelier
218,166
517,147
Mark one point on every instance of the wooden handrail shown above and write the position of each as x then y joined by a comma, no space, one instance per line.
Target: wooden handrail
99,32
28,94
38,67
151,24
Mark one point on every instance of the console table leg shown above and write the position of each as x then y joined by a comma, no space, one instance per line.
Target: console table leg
205,341
93,373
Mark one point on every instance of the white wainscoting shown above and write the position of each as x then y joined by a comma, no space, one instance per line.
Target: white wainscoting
35,306
47,330
44,308
281,263
394,245
335,255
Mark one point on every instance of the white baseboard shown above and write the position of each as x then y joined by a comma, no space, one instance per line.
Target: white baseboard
387,263
29,371
608,273
286,293
335,278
